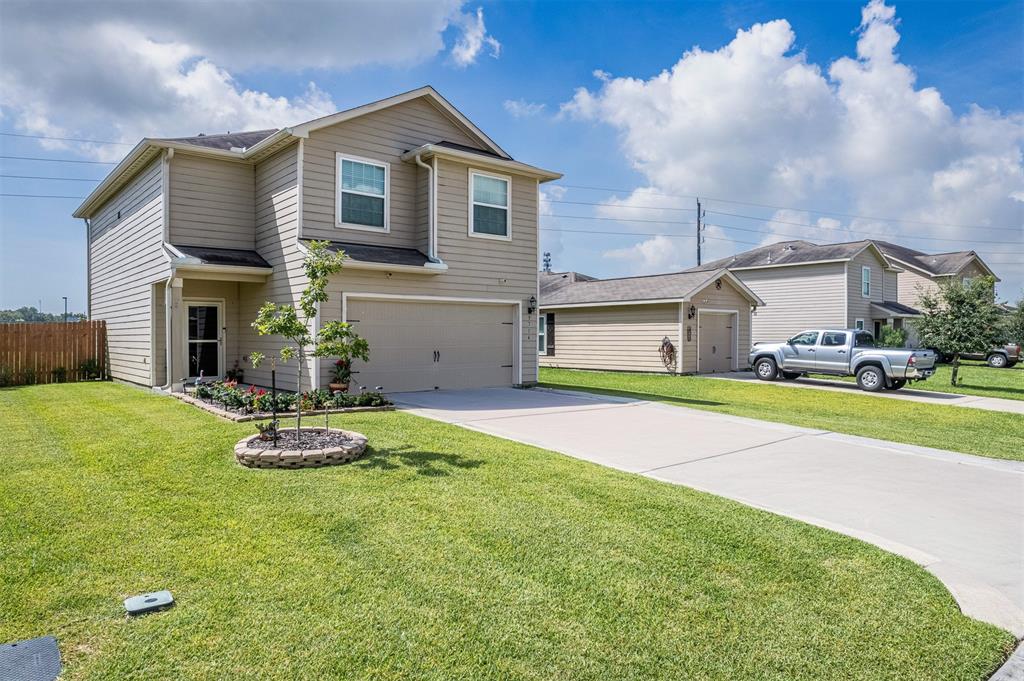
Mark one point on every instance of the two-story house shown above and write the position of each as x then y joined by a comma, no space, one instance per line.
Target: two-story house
188,237
806,285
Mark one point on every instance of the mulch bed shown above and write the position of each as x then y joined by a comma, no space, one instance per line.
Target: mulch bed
309,440
240,417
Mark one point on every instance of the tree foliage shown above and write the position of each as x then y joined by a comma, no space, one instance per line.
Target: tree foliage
333,339
892,338
959,318
1013,324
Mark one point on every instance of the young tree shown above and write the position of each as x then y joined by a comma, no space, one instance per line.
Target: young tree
959,318
334,339
1013,324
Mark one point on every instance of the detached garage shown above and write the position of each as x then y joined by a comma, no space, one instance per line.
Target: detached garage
683,323
426,344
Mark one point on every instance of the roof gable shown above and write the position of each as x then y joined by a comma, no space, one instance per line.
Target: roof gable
677,286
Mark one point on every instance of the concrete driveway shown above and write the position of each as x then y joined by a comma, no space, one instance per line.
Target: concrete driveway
959,516
908,393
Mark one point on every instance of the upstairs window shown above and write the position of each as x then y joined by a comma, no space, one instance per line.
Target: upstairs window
488,206
363,193
865,282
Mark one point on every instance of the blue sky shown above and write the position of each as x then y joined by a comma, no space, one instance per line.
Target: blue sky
936,177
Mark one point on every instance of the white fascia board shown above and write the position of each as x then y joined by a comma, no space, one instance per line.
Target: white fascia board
787,264
428,268
612,303
481,161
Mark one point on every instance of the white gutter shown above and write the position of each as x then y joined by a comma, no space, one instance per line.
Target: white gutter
431,210
482,160
167,333
88,269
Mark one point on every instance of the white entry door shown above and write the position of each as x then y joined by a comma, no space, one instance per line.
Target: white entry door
205,339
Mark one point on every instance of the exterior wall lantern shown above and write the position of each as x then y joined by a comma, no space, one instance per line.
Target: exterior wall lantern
531,305
691,312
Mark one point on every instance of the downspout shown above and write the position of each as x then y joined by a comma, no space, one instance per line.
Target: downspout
431,211
88,269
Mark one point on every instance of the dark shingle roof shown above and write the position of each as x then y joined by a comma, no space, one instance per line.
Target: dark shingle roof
226,141
472,150
937,263
224,256
896,308
388,255
787,253
653,287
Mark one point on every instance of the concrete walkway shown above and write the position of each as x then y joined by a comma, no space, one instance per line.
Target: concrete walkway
908,393
959,516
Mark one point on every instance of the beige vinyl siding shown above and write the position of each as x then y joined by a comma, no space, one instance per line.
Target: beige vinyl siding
211,202
276,192
889,286
859,307
382,136
972,270
710,298
477,268
613,338
909,286
126,258
796,298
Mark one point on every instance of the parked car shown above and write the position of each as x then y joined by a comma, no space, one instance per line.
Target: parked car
998,358
842,352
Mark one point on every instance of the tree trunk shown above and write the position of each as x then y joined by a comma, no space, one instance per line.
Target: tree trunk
298,398
956,369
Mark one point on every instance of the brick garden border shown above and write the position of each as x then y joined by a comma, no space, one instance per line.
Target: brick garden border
241,418
301,458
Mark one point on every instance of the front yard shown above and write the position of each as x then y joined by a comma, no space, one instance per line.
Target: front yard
973,431
975,378
443,554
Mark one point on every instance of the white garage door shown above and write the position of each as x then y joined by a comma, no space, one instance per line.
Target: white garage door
418,345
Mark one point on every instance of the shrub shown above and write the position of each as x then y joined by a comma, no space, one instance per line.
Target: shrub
28,376
892,338
6,377
204,391
60,374
89,369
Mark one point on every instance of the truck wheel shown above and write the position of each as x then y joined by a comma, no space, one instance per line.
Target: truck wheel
997,361
897,383
871,379
790,375
766,369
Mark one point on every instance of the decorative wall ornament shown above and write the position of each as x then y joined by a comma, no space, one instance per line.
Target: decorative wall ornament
668,354
689,334
718,284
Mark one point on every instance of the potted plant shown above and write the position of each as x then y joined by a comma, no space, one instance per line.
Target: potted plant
341,372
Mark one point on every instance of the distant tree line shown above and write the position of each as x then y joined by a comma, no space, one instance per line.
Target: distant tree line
31,314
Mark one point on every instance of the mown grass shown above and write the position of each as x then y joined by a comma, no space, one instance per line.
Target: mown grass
974,378
443,554
973,431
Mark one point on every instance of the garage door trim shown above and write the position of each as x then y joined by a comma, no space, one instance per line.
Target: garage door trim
517,345
735,334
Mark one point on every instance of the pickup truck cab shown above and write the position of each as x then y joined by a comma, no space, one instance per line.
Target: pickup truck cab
842,352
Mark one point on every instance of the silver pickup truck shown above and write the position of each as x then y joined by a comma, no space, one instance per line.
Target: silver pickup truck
843,352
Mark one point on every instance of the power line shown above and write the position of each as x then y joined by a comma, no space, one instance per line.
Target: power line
65,139
58,160
40,177
670,236
805,210
587,217
616,205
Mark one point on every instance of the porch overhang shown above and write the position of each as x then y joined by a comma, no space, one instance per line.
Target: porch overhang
893,310
387,258
221,264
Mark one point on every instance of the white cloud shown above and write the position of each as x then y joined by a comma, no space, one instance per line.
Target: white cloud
755,121
474,39
520,108
652,256
121,71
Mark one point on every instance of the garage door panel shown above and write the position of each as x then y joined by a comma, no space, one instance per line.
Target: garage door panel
473,343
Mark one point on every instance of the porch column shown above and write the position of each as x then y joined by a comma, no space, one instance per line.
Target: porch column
178,319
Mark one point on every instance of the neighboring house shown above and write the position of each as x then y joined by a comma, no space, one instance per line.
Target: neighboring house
847,285
188,237
923,272
623,324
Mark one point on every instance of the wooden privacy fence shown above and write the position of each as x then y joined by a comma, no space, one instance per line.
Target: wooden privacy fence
52,352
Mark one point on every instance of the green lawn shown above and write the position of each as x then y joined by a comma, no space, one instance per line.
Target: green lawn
974,431
975,378
444,554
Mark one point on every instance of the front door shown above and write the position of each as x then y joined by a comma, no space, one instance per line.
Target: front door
205,336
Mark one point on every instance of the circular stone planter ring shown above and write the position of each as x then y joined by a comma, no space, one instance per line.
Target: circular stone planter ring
250,451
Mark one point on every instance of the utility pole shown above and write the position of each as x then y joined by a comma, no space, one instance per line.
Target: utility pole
700,229
65,309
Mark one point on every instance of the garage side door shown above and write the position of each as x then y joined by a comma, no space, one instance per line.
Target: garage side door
417,345
716,342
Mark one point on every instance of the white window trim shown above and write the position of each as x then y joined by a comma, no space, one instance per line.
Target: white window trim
338,192
542,319
865,271
859,324
507,209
